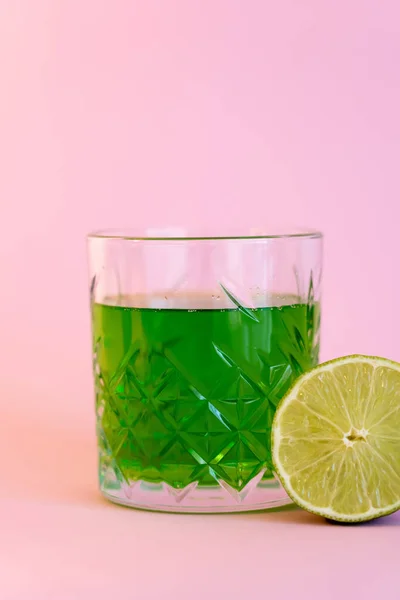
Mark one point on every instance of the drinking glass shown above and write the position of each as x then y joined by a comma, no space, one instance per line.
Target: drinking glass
195,341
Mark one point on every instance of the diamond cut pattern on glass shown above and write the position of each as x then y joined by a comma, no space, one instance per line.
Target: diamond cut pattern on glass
186,416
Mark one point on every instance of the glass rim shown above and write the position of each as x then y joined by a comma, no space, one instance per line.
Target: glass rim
256,234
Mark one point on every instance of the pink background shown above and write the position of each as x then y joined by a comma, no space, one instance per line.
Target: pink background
138,113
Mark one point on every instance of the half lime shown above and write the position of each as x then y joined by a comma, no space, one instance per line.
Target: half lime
336,439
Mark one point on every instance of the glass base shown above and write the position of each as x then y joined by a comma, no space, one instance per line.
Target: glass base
221,498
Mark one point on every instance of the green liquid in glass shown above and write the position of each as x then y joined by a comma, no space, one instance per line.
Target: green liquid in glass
188,396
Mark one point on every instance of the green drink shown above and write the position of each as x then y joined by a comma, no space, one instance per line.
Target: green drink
187,397
195,341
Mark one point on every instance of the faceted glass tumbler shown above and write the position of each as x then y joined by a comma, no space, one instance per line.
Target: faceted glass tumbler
195,341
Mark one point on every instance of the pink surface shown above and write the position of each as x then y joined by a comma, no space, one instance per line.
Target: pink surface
182,113
61,541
